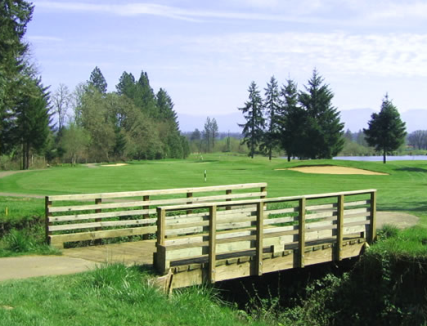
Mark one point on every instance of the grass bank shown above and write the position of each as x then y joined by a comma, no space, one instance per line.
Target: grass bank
114,295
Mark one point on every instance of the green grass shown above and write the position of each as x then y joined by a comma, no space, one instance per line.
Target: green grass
114,295
402,190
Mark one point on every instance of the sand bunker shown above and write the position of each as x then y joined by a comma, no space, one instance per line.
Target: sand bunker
332,170
118,164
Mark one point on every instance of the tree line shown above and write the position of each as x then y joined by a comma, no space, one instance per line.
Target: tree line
91,124
303,124
133,122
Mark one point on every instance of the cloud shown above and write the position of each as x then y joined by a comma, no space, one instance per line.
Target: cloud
395,54
41,38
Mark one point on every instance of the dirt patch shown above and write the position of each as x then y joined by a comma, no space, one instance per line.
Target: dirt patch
398,219
113,165
322,169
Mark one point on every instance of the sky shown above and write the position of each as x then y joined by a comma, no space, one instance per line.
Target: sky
206,53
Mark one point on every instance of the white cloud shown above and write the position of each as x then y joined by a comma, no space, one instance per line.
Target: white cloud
380,55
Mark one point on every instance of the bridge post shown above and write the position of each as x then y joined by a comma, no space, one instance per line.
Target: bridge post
301,230
372,218
48,204
340,224
212,243
259,237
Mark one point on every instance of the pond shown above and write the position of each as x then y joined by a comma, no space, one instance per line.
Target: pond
380,158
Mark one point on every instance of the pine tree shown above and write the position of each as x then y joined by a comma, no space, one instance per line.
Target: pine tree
386,131
253,129
271,108
33,120
14,17
98,81
324,128
126,85
292,122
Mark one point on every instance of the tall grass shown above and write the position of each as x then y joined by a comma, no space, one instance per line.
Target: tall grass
114,295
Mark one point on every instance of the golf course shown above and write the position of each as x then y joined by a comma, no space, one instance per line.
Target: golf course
117,295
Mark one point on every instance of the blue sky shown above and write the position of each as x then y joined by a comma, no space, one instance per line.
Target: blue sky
206,53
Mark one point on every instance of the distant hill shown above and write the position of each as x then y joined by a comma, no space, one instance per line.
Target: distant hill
355,120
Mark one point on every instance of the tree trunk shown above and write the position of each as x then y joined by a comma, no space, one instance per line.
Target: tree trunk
384,157
289,157
269,154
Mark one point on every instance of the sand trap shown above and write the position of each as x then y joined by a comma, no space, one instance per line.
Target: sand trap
332,170
118,164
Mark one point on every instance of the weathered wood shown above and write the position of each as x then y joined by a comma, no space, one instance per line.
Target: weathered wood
58,240
301,231
372,217
48,223
244,269
155,192
340,226
259,237
212,243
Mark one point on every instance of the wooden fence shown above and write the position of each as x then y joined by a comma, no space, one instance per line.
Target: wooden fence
218,241
88,217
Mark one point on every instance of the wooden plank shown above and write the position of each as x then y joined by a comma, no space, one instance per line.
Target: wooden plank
48,205
313,216
340,226
82,226
272,221
161,226
73,237
372,217
301,231
155,192
82,217
212,243
259,238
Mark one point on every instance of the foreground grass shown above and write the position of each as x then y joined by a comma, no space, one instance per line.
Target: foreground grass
114,295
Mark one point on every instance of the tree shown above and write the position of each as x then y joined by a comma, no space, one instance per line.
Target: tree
253,129
61,101
207,135
271,108
196,139
418,139
324,128
98,81
14,17
32,119
292,121
386,131
74,141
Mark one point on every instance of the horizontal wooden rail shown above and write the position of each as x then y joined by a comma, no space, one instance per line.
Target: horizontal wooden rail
250,231
82,217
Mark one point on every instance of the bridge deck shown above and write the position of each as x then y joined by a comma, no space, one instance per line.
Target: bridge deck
128,253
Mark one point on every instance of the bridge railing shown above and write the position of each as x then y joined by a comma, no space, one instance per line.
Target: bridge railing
226,233
92,217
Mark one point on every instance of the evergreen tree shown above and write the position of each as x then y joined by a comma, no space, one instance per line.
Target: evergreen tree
207,135
32,118
98,81
292,122
14,17
126,85
324,128
386,131
253,129
271,108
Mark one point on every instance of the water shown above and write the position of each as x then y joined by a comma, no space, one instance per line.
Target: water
380,158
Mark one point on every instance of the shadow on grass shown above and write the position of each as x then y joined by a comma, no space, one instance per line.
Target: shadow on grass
206,161
410,169
404,207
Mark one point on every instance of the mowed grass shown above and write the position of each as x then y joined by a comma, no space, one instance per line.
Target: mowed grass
403,189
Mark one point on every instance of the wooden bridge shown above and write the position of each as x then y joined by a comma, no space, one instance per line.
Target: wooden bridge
213,237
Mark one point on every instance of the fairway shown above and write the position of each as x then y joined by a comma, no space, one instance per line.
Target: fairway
402,189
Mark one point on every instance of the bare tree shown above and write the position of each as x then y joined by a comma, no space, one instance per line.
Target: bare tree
61,101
